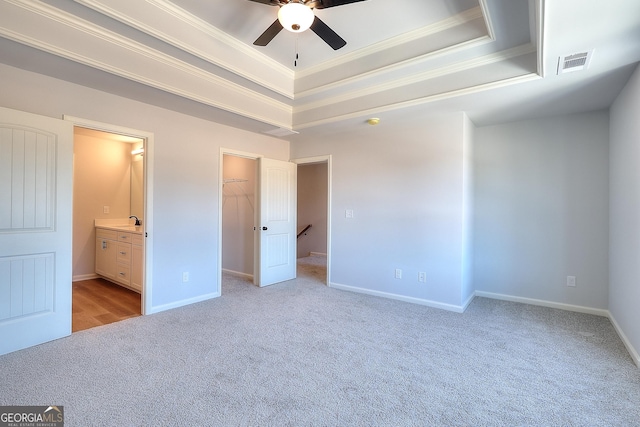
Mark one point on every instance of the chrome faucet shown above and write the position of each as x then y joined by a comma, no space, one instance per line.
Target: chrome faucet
137,220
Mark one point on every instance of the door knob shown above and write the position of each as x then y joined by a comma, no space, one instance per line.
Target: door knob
264,228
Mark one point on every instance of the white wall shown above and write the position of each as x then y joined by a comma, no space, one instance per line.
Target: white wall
404,183
541,209
624,250
186,174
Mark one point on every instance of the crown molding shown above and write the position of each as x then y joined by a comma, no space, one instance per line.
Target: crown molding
171,75
419,101
394,42
396,67
420,77
487,19
200,28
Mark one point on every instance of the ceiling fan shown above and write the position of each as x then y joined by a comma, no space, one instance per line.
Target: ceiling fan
297,16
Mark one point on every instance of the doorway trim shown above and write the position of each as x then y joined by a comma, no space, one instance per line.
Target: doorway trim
147,271
323,159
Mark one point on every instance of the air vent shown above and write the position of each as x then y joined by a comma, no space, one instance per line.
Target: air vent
574,62
280,132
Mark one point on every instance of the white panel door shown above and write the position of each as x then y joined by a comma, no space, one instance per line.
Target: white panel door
36,168
276,227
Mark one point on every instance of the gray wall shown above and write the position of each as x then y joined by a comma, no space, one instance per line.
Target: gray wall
624,297
186,174
405,184
541,191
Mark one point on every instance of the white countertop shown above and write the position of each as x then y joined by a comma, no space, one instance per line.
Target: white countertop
119,225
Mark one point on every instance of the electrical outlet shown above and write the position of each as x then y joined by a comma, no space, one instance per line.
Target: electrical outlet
422,277
571,281
398,273
348,213
105,209
185,276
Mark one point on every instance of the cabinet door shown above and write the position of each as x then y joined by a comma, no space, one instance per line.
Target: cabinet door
106,258
123,273
124,253
136,267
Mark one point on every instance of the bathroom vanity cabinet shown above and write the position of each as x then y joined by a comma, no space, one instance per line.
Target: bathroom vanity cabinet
119,256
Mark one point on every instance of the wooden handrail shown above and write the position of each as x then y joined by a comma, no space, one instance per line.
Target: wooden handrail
305,229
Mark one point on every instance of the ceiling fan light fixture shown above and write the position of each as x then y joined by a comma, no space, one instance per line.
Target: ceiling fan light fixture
295,17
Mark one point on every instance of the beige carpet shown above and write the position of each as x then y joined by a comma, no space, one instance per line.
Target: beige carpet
302,354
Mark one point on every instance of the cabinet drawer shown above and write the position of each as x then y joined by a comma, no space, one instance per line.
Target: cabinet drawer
123,253
101,233
123,273
136,239
124,237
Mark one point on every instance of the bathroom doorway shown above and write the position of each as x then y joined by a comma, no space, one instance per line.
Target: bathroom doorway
108,191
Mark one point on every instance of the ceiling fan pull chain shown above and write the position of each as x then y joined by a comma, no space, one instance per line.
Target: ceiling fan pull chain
295,61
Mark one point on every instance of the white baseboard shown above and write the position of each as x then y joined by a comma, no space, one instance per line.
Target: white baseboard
237,273
413,300
544,303
181,303
632,351
468,301
82,277
317,254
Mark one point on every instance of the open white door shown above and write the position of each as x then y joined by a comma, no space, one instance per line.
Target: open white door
276,222
36,168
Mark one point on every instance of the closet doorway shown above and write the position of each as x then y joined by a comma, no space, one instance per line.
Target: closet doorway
239,183
258,194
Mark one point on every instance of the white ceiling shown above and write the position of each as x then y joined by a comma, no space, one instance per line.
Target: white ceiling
494,59
245,20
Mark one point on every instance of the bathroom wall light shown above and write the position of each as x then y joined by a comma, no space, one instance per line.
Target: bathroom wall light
138,151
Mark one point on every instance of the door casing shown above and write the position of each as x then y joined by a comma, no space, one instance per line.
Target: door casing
147,271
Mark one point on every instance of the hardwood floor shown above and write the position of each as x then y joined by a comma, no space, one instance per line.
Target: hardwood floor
99,302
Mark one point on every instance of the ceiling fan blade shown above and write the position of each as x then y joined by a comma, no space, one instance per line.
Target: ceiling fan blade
323,4
269,2
327,34
269,34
